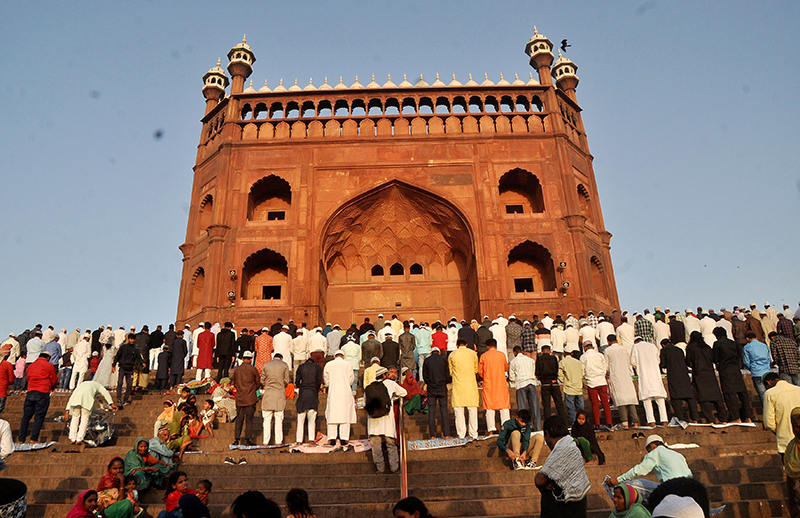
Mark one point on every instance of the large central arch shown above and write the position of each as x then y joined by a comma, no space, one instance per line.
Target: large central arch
397,244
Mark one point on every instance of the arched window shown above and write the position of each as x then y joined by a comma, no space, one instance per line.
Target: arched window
396,269
585,202
265,276
521,192
416,269
206,211
198,284
598,278
377,271
530,268
269,200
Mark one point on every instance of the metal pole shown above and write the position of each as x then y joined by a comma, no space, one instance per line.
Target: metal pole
403,455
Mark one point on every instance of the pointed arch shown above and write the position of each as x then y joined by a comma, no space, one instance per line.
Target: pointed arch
265,275
585,202
530,268
198,285
270,199
520,192
599,277
206,213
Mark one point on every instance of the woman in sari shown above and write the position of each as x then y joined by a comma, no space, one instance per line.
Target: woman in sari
224,398
148,470
165,417
110,489
85,506
628,503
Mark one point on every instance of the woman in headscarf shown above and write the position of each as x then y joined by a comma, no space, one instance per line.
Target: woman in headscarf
165,417
628,503
582,428
147,469
791,463
224,398
110,488
416,399
700,358
85,506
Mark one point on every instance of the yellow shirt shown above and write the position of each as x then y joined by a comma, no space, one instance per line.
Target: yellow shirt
779,401
369,373
463,367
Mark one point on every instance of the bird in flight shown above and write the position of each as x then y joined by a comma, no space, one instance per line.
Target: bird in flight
564,45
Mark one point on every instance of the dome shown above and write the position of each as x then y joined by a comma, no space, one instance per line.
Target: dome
389,84
242,52
471,82
325,85
356,85
310,86
563,67
533,82
340,86
454,82
372,84
518,81
421,83
503,82
538,43
264,89
487,81
405,83
438,83
250,89
295,88
280,88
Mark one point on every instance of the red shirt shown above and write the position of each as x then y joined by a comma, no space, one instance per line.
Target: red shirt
172,499
205,346
6,377
440,341
41,376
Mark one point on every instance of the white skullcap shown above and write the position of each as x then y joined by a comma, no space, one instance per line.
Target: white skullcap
674,506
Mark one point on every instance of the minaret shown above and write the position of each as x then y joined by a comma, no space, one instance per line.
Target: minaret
215,81
241,65
540,50
564,74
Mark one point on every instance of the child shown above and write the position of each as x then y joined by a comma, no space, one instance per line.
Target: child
177,486
185,393
208,416
94,363
132,494
19,371
66,369
203,490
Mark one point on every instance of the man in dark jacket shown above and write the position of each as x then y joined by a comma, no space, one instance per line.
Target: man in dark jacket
169,336
371,348
678,382
96,345
226,348
547,374
677,331
482,334
436,374
179,350
308,380
245,342
156,340
728,359
127,358
467,334
276,327
162,370
391,352
142,344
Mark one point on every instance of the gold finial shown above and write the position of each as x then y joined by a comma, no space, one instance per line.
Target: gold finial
218,61
535,32
531,74
310,80
501,77
404,77
470,76
281,82
265,83
356,79
420,77
454,77
373,78
437,76
486,77
559,54
390,76
295,82
251,83
340,79
326,79
516,77
244,38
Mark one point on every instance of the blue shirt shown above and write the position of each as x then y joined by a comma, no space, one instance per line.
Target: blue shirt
54,348
756,358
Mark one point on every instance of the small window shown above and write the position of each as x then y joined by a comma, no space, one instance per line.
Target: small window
271,292
523,285
377,270
278,215
514,209
396,269
416,269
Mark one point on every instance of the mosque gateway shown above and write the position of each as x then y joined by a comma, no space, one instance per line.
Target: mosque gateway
332,202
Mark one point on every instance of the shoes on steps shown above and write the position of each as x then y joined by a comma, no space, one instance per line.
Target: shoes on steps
235,442
242,461
532,465
517,465
229,461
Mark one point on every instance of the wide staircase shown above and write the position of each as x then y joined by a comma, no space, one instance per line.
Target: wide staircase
739,466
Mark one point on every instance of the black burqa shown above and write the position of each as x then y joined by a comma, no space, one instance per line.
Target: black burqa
700,358
586,430
678,382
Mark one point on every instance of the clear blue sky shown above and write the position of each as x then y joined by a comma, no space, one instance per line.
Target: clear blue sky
691,111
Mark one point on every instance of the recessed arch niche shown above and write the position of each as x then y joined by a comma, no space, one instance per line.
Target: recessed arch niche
520,192
265,276
530,268
270,199
397,226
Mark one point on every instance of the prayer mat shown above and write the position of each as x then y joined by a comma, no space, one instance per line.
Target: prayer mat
256,447
32,446
359,445
435,444
682,446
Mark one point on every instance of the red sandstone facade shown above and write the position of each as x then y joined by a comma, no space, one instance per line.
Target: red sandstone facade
336,203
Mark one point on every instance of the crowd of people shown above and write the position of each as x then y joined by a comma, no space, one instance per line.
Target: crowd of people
548,361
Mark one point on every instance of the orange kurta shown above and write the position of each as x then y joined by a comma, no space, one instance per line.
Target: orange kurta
492,368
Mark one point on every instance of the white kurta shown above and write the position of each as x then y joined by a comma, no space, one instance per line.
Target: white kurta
385,425
587,334
282,343
317,342
85,393
626,334
80,356
558,339
707,325
619,375
727,326
338,377
691,324
452,338
662,332
572,339
498,330
645,359
602,331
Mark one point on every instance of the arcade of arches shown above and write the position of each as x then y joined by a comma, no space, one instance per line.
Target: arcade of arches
398,249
